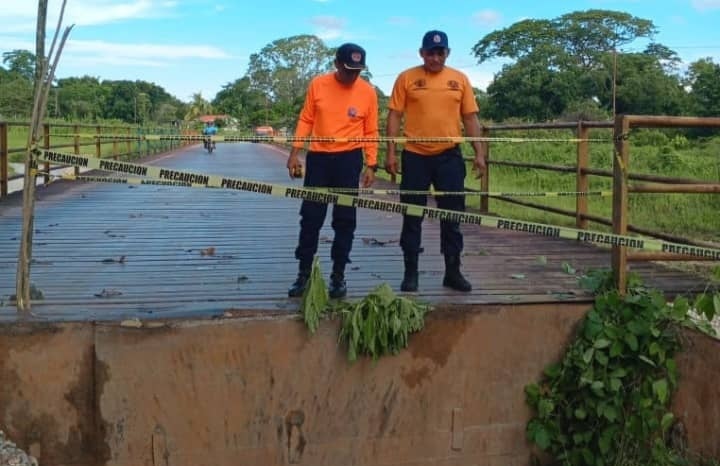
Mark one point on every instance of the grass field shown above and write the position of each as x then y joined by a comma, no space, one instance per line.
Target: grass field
18,136
651,152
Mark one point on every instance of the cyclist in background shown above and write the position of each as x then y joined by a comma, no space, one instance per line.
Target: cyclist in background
209,130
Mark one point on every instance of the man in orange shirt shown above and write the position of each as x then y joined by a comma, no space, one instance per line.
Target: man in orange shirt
342,106
434,100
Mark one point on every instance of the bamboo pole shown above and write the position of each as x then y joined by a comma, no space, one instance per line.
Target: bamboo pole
44,75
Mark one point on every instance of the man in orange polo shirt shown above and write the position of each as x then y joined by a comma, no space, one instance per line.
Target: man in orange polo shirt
342,106
436,101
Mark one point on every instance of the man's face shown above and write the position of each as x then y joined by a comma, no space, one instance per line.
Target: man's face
434,59
344,75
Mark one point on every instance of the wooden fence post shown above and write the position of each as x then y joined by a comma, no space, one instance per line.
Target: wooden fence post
582,182
98,142
76,146
620,198
485,180
4,159
46,145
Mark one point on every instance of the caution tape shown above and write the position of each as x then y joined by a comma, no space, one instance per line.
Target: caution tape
358,191
125,180
215,181
398,192
325,139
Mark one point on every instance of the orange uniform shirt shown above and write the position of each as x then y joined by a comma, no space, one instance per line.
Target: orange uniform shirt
433,104
334,110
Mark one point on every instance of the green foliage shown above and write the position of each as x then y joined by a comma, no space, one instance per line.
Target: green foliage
607,401
650,137
315,298
380,323
377,325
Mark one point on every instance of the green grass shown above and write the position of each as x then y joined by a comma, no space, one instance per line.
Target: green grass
688,215
651,152
18,136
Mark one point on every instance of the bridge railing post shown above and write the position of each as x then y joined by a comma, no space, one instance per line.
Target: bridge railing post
582,181
46,145
621,169
4,159
485,180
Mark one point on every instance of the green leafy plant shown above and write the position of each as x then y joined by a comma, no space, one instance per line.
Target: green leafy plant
607,401
380,323
315,298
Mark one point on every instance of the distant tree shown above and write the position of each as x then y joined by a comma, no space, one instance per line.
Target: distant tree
565,66
20,62
198,107
16,97
240,100
80,98
283,68
703,77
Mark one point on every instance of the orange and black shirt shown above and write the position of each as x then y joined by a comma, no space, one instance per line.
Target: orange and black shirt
433,104
334,110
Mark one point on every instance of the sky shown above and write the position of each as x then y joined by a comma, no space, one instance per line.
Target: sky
198,46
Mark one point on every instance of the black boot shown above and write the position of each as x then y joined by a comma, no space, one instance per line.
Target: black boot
453,278
338,286
298,287
410,278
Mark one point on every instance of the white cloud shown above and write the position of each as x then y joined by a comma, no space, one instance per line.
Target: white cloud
486,17
14,43
704,5
328,27
21,14
479,78
143,52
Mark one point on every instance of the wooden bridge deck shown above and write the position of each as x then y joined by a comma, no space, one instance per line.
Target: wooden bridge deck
106,251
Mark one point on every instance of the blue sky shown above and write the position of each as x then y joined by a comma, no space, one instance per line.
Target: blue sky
190,46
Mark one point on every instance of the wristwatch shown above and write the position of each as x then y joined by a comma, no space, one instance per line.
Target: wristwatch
373,167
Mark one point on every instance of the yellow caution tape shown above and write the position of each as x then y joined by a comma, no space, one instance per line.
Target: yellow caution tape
328,139
360,191
215,181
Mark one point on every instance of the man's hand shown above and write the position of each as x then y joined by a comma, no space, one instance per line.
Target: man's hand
479,166
294,166
391,162
368,177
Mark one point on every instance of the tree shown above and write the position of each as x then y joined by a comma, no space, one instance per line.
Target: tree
704,81
241,101
16,98
565,66
283,69
198,107
80,98
21,63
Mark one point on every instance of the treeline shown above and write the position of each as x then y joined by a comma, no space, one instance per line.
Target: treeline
579,65
85,98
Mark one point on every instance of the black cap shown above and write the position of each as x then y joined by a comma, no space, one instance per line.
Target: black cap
435,39
352,56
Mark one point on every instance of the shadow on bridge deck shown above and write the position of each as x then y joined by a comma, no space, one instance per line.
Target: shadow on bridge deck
106,251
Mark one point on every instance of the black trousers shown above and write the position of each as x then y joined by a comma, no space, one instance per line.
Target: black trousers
446,172
329,170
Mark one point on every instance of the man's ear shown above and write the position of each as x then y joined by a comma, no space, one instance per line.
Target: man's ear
420,52
448,53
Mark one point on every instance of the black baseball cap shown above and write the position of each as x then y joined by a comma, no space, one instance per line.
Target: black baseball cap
435,39
352,56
